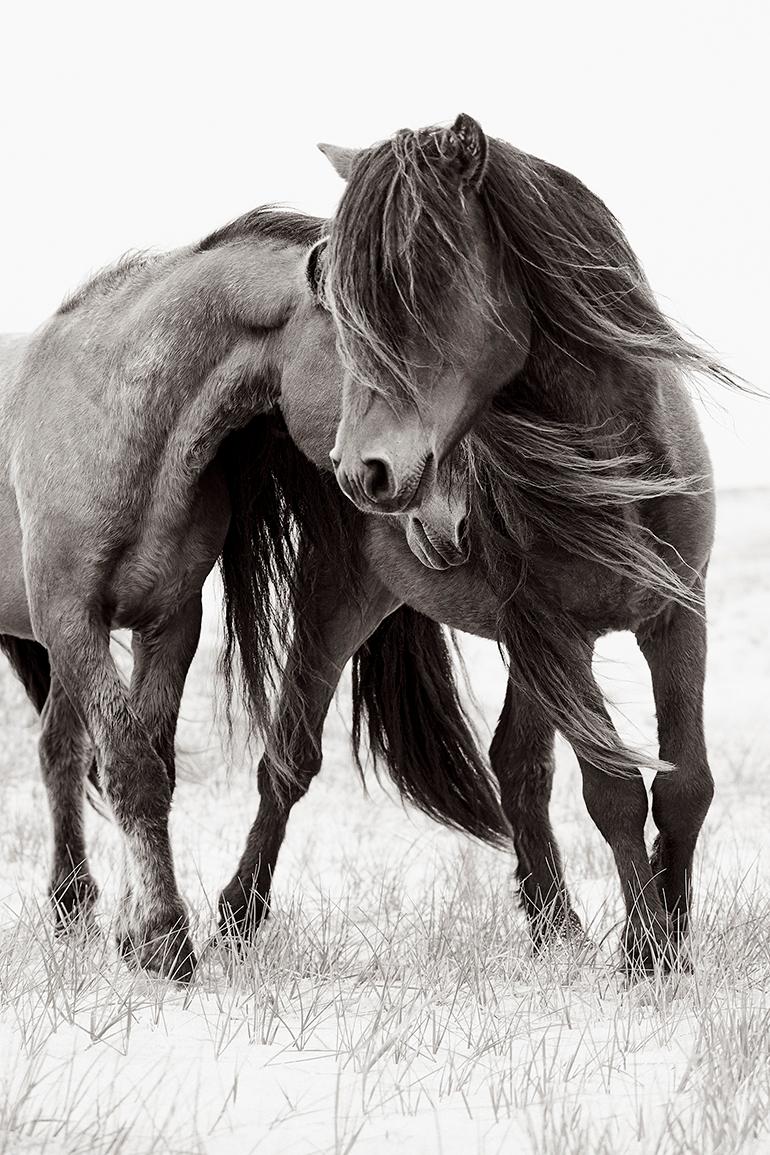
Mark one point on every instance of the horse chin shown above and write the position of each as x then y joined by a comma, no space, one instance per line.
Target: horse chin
435,551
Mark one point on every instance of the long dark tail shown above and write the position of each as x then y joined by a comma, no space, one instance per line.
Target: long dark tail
405,696
282,508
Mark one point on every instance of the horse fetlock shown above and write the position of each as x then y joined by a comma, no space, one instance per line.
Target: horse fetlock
550,917
73,895
160,943
650,945
243,907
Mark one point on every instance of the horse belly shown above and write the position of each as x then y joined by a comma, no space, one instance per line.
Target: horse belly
457,597
14,607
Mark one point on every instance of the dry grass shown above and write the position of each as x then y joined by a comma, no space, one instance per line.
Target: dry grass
393,1000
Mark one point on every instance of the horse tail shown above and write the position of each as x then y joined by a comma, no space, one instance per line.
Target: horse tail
29,661
405,694
282,507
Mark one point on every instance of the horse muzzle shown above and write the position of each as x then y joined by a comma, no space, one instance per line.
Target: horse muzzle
435,550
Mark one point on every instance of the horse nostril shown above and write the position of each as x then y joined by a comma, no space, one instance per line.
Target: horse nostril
462,529
377,479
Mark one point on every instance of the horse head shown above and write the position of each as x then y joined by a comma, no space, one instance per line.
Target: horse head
429,325
312,402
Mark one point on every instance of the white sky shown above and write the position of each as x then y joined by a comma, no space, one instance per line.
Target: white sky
146,125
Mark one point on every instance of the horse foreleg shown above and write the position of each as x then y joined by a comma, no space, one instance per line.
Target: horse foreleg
618,805
334,625
674,645
522,758
65,754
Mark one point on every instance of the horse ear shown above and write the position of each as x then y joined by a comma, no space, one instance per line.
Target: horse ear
341,159
473,149
314,269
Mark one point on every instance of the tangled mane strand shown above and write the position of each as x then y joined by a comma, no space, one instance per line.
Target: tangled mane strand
403,234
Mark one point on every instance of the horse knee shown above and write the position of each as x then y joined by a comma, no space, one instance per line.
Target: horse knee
681,800
617,805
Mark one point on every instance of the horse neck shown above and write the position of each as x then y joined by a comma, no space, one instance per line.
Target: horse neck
576,387
188,353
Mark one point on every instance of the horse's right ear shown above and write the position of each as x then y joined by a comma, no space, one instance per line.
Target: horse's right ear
314,269
341,159
473,149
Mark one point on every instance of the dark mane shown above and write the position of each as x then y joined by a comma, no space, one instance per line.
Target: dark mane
108,279
266,221
403,232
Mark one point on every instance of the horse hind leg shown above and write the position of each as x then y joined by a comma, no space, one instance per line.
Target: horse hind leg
618,805
64,751
134,780
161,660
65,754
334,626
522,759
674,646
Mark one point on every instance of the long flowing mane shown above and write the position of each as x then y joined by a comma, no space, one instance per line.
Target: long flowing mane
402,228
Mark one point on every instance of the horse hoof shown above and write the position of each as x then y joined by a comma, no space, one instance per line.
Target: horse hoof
647,953
73,900
554,928
241,914
167,952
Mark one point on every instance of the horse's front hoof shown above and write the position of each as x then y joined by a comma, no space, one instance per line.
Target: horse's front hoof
163,949
73,900
241,913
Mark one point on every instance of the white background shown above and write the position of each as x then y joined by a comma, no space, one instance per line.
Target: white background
146,125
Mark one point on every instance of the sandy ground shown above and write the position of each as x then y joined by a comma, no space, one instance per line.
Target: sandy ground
393,1002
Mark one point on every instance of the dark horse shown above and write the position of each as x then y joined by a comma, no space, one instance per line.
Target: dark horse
502,349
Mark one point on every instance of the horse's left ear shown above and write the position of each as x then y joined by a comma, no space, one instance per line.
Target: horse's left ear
341,159
314,269
473,150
